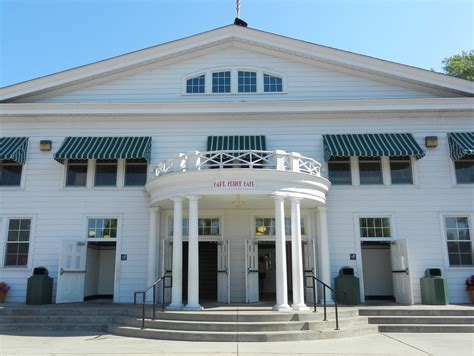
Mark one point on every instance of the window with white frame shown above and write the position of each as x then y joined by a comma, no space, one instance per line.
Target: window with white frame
266,226
458,240
18,242
340,170
10,173
375,227
464,168
370,170
135,172
400,170
104,228
76,173
247,82
196,85
105,173
272,84
221,82
206,226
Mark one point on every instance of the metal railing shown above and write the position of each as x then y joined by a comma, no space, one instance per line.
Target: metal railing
313,286
252,159
153,286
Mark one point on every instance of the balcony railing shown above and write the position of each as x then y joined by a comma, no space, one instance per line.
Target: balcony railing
252,159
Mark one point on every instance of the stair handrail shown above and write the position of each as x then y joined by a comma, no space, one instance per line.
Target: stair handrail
153,286
313,286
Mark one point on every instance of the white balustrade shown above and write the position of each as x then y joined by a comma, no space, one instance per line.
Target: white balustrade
252,159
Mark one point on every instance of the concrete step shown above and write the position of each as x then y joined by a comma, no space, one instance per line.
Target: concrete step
426,328
183,335
243,316
416,312
43,319
232,326
62,311
53,327
454,320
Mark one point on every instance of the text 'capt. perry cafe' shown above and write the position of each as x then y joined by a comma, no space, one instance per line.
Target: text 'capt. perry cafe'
234,184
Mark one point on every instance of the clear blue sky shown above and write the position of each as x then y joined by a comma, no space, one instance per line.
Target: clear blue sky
40,37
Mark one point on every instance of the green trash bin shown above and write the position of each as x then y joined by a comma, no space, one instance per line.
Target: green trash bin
434,288
347,282
40,287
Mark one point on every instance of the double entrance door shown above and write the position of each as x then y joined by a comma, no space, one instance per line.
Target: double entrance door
261,273
214,271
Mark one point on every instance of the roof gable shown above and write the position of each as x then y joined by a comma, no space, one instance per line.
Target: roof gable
301,80
232,33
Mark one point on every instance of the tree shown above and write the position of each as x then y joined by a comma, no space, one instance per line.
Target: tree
460,65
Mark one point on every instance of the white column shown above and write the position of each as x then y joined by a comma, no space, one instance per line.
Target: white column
193,256
297,256
323,249
177,267
152,243
280,256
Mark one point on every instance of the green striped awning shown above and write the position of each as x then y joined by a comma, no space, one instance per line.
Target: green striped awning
371,145
14,148
461,144
104,148
236,143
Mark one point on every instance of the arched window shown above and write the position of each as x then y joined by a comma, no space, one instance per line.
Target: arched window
272,84
196,85
234,81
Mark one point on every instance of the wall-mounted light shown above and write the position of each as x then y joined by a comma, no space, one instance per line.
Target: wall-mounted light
45,145
431,141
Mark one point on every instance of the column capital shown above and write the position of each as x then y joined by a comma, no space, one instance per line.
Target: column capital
154,209
194,197
278,197
296,199
322,209
177,199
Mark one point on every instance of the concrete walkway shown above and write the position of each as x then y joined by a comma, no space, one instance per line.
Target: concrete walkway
38,343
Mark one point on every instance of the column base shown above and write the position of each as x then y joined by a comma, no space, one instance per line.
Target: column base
172,307
193,307
281,308
299,307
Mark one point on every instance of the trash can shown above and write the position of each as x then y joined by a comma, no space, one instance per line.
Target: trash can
434,288
347,282
40,287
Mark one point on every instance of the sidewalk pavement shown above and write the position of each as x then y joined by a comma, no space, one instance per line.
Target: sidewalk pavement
55,343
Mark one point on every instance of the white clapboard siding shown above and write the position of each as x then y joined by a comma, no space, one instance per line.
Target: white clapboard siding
163,83
60,213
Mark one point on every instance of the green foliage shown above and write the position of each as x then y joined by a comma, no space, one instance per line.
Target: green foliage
460,65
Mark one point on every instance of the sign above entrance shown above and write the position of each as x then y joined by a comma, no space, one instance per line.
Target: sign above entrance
234,184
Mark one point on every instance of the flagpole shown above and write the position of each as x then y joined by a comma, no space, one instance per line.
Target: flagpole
237,7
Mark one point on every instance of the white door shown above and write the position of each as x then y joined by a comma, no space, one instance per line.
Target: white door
223,273
308,269
401,272
251,267
72,272
167,264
